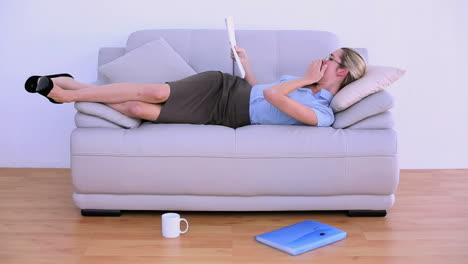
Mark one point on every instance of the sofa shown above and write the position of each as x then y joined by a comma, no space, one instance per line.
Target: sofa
120,163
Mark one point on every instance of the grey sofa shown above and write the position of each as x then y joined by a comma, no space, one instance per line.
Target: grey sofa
253,168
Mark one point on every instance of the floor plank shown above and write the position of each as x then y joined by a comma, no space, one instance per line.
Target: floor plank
40,224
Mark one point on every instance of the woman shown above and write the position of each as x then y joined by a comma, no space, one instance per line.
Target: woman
220,98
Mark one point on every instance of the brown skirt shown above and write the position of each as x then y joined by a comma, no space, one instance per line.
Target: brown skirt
210,98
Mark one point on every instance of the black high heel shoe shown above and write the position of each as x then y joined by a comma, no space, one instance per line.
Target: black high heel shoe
44,86
31,83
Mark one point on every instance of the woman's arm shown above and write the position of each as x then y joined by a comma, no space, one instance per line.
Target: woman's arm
249,76
277,95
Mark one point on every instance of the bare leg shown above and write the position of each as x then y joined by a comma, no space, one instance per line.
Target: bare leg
135,109
68,83
74,91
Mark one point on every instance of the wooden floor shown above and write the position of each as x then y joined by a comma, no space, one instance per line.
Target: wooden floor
40,224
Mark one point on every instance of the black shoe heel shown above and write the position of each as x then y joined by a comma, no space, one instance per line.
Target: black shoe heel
31,83
44,86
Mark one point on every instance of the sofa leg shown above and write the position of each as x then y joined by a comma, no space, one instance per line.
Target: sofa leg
99,212
369,213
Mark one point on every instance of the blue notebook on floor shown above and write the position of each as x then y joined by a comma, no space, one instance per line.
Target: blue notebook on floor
301,237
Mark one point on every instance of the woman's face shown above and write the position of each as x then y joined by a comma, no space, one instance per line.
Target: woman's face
333,62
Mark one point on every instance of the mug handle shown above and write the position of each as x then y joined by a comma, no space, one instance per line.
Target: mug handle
186,229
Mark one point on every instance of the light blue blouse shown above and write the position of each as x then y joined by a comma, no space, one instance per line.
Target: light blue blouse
264,113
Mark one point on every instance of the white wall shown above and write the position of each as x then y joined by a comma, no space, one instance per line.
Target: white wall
424,37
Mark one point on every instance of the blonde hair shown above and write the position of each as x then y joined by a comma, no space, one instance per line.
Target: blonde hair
356,65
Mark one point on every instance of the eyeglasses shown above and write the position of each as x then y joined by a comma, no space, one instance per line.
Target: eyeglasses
330,58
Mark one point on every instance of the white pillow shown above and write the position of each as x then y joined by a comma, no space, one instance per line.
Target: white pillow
84,120
371,105
379,121
153,62
374,80
107,113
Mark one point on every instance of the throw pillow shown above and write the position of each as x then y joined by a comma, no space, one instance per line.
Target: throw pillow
380,121
153,62
105,112
371,105
84,120
375,79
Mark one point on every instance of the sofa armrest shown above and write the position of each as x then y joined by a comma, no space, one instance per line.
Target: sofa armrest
102,111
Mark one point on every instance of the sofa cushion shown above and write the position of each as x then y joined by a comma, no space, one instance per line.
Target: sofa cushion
380,121
369,106
163,140
105,112
84,120
375,79
184,159
107,55
272,53
153,62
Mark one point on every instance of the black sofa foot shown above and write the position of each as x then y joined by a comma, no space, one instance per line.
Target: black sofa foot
368,213
99,212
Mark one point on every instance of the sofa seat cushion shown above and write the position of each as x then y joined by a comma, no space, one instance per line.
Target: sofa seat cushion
156,140
188,159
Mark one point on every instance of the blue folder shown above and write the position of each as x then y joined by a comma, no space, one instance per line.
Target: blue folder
301,237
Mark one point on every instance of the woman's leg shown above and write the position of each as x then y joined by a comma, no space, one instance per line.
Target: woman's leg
73,91
68,83
135,109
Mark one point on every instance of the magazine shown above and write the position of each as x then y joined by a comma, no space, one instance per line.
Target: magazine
232,42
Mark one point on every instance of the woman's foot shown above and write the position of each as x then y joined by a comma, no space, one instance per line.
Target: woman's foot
53,92
31,83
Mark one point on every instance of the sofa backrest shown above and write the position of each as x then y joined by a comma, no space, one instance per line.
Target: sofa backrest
272,53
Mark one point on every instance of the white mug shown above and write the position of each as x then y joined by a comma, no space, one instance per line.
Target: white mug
171,225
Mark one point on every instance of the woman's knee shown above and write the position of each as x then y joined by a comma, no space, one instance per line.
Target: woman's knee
136,109
143,110
158,93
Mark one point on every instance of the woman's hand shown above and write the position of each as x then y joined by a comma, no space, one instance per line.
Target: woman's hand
244,59
241,53
315,71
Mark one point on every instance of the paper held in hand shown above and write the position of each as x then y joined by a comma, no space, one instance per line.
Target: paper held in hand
232,42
